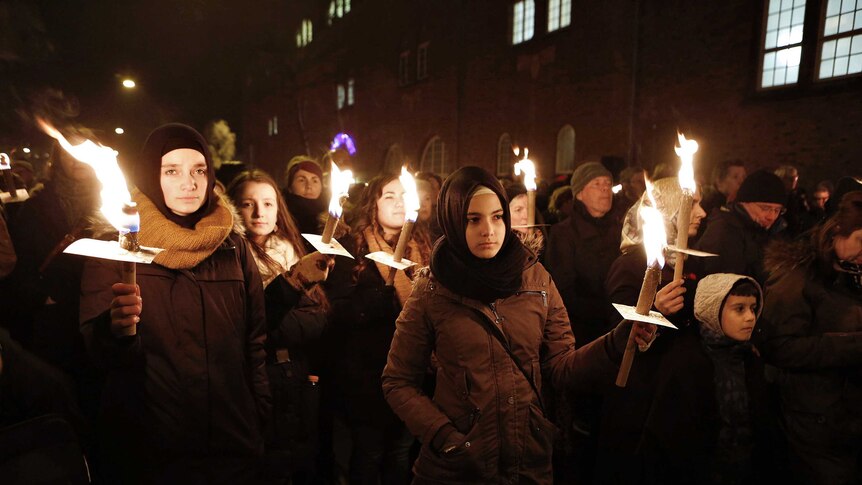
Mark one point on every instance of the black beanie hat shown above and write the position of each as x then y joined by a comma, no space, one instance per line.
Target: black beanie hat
762,186
146,173
514,190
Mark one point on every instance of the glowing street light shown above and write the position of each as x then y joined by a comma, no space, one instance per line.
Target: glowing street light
25,150
119,131
128,83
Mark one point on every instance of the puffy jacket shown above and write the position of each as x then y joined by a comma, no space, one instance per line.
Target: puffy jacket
479,389
191,384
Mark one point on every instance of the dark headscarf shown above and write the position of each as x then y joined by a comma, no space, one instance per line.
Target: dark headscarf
452,262
146,174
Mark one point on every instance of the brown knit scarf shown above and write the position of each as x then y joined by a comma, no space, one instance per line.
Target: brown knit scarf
183,248
403,285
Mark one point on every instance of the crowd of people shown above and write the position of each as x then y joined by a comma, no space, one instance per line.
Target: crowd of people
244,355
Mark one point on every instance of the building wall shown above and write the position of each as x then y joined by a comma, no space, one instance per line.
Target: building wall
626,75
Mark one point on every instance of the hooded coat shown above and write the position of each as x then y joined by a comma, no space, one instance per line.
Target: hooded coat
187,396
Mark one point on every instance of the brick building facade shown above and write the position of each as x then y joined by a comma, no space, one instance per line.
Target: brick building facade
448,83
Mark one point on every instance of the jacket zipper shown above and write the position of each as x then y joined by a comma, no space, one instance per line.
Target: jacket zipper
542,292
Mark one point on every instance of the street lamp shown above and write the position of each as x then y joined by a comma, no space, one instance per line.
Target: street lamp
119,131
128,83
25,150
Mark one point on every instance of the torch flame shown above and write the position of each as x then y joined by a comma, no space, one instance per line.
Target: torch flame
411,195
528,168
5,162
103,159
685,151
339,184
654,235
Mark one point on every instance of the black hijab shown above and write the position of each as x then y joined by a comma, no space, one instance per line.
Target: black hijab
452,262
146,174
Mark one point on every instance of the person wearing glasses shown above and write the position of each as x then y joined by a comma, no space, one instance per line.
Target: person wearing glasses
739,235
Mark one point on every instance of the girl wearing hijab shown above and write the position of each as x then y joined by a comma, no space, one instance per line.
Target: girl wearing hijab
296,316
494,319
363,321
186,395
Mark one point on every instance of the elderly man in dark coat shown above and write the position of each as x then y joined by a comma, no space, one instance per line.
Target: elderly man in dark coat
739,235
582,248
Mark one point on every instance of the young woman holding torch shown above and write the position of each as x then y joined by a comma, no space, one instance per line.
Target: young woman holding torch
296,317
186,396
364,310
494,319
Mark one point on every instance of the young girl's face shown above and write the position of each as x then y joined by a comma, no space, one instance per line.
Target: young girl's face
258,207
486,229
390,207
184,180
738,317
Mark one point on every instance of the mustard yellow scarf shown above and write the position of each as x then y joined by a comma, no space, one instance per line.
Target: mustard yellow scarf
183,248
403,284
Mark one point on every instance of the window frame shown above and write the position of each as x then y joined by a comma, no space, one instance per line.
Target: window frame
560,9
504,159
404,68
822,39
444,166
422,61
512,18
560,165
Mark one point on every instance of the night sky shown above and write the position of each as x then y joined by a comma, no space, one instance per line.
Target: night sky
188,58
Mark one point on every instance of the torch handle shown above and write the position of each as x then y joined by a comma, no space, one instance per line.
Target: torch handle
531,208
328,229
682,222
129,278
10,183
400,249
645,300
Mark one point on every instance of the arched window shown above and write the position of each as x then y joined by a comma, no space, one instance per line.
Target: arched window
505,155
394,159
434,157
565,149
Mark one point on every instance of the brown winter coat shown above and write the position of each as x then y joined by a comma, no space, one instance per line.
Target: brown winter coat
479,389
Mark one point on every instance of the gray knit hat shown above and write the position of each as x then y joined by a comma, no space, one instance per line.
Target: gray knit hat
586,173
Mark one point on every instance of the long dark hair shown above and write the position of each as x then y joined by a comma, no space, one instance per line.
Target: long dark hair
285,227
365,215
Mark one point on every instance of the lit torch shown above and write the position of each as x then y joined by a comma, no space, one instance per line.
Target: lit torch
654,240
117,207
685,151
528,168
339,185
411,212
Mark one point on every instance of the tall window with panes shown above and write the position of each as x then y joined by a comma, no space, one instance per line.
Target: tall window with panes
505,155
559,14
840,52
422,61
304,33
782,42
337,10
523,20
404,68
344,94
